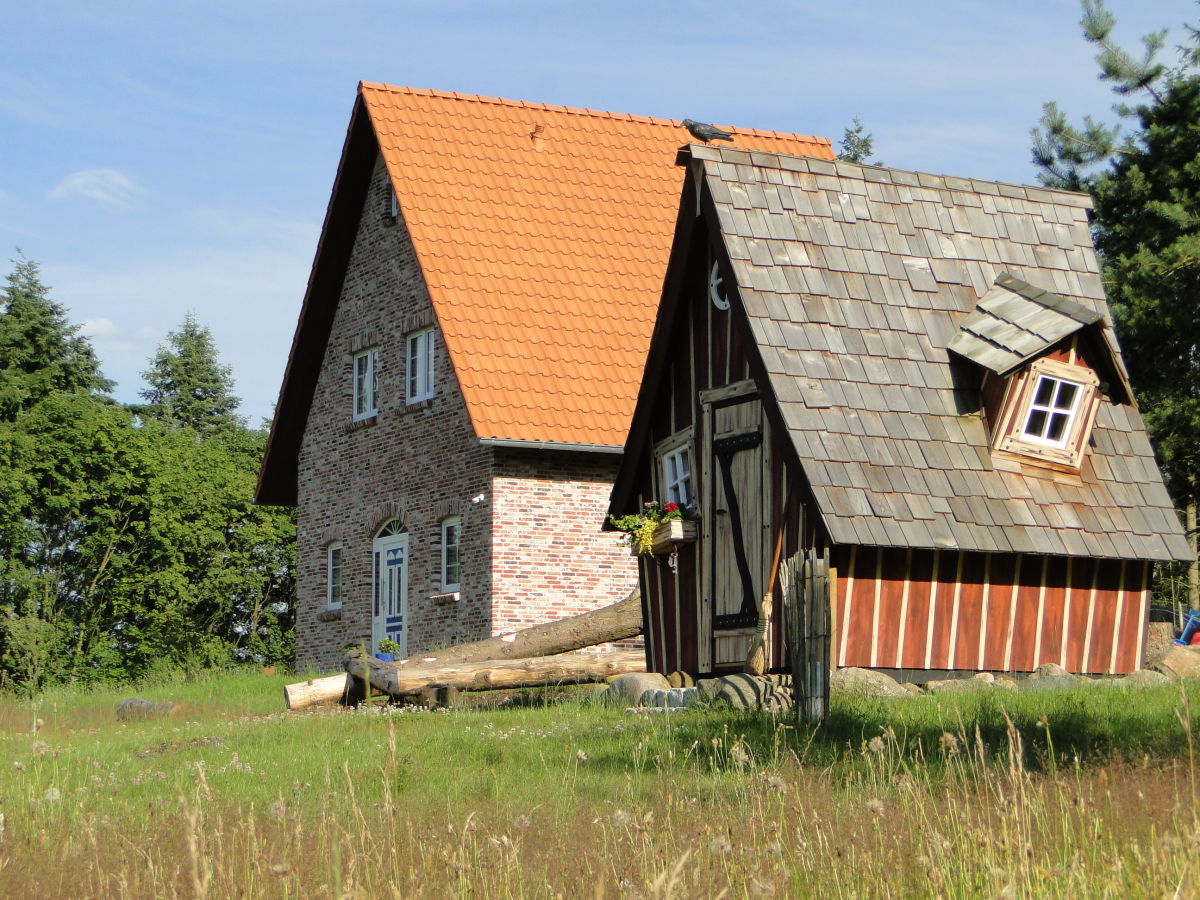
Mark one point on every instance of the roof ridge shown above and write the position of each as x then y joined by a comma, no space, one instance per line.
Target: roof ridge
575,110
932,180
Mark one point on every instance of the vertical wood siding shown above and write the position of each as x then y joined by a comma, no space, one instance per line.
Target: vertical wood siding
941,609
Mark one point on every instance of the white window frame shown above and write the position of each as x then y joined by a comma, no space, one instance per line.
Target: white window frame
1051,410
419,365
365,392
451,526
333,575
675,455
1020,403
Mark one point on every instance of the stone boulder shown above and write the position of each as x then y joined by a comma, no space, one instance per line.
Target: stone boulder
1144,678
983,681
1158,641
681,680
865,683
627,689
741,691
1179,663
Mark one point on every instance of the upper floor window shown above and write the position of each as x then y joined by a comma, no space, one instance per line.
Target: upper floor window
451,539
419,373
677,476
1049,412
333,576
364,384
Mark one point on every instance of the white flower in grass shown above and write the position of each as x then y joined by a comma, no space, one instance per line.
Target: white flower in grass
52,795
876,745
875,807
581,756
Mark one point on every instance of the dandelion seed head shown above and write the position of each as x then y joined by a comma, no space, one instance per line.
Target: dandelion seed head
52,795
875,806
876,745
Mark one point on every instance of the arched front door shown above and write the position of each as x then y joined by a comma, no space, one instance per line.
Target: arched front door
390,619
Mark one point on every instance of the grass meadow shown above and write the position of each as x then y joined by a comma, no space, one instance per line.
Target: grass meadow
1083,793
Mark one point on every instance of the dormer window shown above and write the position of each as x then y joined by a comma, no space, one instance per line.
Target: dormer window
1048,412
1052,409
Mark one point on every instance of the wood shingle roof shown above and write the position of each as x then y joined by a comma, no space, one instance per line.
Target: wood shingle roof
857,283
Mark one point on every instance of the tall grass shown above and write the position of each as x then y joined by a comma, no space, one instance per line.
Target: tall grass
1087,793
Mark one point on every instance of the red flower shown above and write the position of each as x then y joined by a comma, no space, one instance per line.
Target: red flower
670,507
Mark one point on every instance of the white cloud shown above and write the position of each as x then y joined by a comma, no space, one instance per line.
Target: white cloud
107,186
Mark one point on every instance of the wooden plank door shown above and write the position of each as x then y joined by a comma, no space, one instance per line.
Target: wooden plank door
736,520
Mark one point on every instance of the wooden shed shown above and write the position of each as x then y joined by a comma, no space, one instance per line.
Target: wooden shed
915,379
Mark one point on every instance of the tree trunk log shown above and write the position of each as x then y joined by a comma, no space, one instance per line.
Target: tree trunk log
398,679
315,691
609,623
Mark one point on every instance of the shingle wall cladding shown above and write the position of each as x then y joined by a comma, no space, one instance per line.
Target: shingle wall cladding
417,463
551,558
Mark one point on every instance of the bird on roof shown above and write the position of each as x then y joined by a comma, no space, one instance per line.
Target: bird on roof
705,132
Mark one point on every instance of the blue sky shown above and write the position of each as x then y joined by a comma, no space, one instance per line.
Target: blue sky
159,158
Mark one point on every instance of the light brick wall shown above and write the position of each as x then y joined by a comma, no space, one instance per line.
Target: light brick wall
422,463
551,559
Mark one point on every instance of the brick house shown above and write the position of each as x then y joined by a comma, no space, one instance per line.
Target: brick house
466,362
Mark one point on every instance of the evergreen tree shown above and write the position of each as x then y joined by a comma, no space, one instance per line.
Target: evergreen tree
187,383
1144,176
857,144
40,352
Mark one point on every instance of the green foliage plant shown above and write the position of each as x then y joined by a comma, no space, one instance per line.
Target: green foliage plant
641,526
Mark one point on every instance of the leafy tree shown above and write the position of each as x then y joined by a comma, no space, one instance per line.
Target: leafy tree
1144,176
187,383
40,352
857,144
130,544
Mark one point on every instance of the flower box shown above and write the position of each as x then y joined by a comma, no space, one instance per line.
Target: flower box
670,534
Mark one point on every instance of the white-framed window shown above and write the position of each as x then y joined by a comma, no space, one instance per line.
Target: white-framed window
419,369
333,576
1053,407
1049,412
451,541
677,476
364,384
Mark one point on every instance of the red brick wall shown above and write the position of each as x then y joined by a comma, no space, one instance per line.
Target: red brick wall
551,558
421,463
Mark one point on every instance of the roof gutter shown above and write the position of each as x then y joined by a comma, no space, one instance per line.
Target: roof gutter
550,445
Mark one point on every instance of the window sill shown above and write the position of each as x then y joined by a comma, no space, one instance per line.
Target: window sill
445,599
330,615
364,422
416,405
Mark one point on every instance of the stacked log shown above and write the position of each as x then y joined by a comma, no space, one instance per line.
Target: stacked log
529,658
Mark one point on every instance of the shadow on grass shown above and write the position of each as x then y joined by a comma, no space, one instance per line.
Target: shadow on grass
1092,725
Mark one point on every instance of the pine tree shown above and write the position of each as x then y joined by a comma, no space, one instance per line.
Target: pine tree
1144,177
187,383
40,351
857,145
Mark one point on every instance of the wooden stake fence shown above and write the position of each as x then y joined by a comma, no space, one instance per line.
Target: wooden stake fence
805,582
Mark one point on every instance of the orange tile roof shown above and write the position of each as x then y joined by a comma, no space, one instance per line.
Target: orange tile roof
543,234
